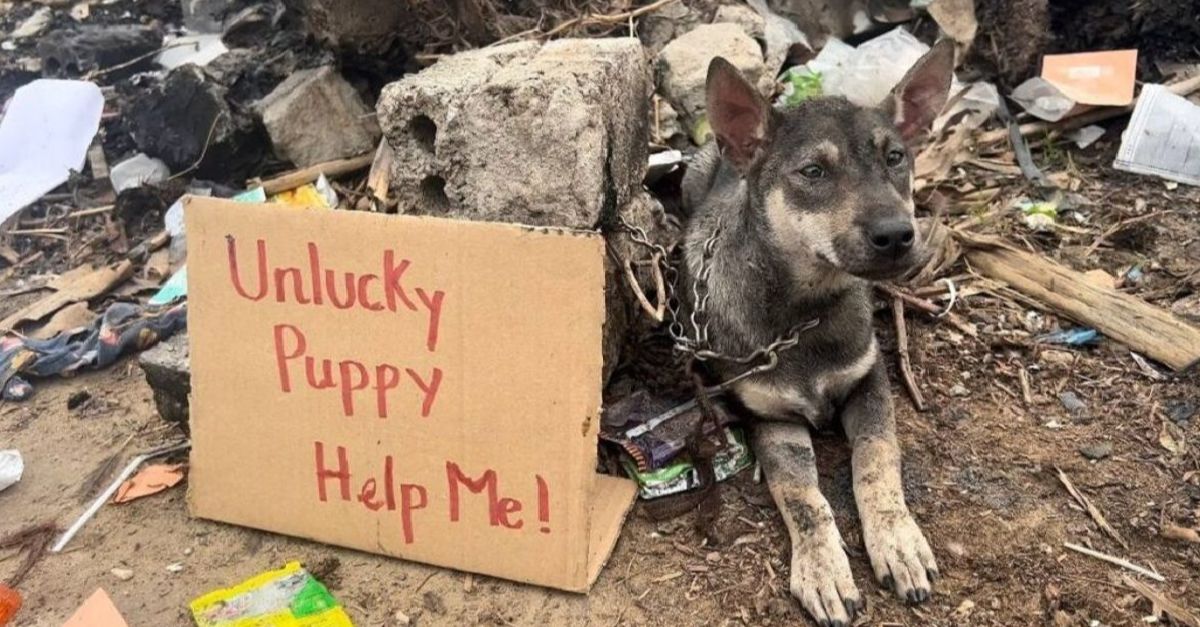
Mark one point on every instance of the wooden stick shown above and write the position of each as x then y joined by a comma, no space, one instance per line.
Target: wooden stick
296,178
928,307
617,18
1161,604
90,212
1139,325
1116,561
910,381
1091,509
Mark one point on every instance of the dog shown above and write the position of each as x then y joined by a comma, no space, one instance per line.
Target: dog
792,214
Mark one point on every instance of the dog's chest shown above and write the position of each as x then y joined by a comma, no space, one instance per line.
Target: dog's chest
810,393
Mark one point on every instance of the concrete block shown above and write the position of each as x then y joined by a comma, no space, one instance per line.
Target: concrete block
316,116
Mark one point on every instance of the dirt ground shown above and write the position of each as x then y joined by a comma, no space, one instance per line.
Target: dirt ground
979,475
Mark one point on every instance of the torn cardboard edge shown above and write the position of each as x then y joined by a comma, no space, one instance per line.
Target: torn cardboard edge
542,376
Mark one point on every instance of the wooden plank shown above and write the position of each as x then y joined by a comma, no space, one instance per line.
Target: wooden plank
331,169
1132,321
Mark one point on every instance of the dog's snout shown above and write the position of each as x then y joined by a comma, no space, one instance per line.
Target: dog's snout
891,238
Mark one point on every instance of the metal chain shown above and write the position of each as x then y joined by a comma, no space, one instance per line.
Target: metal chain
697,344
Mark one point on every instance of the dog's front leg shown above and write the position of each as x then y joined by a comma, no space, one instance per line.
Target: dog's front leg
820,576
899,553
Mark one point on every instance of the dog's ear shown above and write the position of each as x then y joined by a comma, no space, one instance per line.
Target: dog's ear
919,97
740,117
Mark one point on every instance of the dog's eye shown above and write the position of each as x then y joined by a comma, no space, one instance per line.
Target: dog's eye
895,157
812,171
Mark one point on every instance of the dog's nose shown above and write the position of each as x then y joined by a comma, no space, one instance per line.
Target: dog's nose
891,237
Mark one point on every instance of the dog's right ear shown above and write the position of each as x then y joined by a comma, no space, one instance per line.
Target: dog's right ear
740,117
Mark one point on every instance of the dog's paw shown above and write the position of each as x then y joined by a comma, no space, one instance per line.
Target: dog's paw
900,556
822,582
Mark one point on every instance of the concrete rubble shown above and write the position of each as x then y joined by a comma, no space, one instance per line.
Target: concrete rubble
316,116
682,66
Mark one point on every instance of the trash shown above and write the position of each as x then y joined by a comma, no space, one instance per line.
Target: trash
175,289
680,475
1093,78
150,480
1073,83
1096,451
1078,336
138,170
1163,137
45,134
174,568
112,489
1042,99
10,604
1039,216
124,574
653,431
195,49
662,164
1086,136
319,194
866,74
799,84
33,25
288,597
316,116
76,285
97,611
124,327
12,466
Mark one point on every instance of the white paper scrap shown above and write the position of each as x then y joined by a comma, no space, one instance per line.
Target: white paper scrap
1163,137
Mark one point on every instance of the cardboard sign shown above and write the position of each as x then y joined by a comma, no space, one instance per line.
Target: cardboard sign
418,387
1093,78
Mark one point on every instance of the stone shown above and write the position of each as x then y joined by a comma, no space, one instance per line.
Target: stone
168,371
204,16
540,135
747,18
682,66
315,116
661,27
959,390
124,574
1071,402
1181,412
1096,451
33,25
69,53
186,121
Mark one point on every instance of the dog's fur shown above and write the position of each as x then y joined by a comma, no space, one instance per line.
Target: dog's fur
798,197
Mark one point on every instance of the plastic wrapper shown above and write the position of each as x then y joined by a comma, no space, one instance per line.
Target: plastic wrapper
288,597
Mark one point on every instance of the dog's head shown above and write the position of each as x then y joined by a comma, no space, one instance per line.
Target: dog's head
833,179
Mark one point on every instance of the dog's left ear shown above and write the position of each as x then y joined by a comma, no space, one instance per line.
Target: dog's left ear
919,97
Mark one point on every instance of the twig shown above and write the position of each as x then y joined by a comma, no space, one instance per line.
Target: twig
203,151
1161,604
656,312
138,59
928,307
38,232
910,381
1026,389
296,178
90,212
1116,561
616,18
1091,509
1114,229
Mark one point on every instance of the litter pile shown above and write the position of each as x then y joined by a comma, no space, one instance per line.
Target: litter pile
581,115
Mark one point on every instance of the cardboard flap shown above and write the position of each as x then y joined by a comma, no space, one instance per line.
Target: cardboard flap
612,498
418,387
